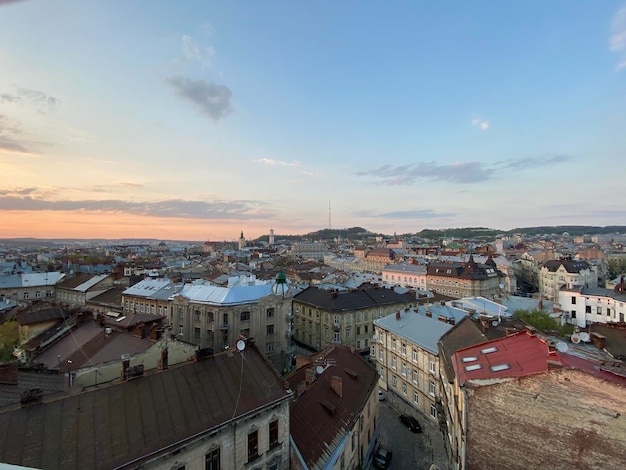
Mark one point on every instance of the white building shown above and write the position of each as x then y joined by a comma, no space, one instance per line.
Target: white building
582,306
406,275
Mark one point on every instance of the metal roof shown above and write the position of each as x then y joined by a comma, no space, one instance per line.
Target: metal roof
30,280
415,327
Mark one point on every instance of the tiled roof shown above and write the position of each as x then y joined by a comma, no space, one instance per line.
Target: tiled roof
114,425
352,299
319,418
28,317
464,334
570,266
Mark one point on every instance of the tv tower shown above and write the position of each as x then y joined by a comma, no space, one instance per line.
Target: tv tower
330,225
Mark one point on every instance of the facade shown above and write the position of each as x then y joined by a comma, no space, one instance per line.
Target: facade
335,414
323,317
161,421
407,358
27,287
216,317
312,250
466,279
75,291
585,305
557,274
149,296
405,274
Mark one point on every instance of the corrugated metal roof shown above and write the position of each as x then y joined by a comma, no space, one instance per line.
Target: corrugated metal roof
416,328
85,286
30,280
158,288
216,295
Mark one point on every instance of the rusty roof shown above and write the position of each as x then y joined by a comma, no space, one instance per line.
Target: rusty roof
113,426
319,411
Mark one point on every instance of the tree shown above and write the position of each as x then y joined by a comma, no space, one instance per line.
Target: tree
9,339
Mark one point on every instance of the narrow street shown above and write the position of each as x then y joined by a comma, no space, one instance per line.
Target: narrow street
411,450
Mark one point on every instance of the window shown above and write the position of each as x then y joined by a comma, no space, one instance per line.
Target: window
573,300
403,349
336,319
325,332
415,355
38,294
414,376
225,318
245,316
608,312
393,343
196,315
431,388
270,312
273,434
181,312
415,397
209,317
358,330
433,411
348,332
393,363
212,460
599,310
336,338
573,313
381,372
431,367
404,388
253,445
25,295
394,381
269,329
404,369
180,330
196,333
366,328
588,309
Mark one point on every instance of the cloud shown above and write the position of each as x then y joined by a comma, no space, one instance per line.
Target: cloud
534,162
8,130
482,124
271,162
9,2
212,99
410,214
193,53
464,172
168,208
17,191
617,39
131,184
39,99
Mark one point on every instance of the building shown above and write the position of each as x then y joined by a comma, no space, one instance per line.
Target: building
216,317
325,317
405,274
311,250
75,291
584,305
335,414
407,358
557,274
26,287
150,295
466,279
230,411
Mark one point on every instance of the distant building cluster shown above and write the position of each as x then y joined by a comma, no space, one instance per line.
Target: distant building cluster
277,353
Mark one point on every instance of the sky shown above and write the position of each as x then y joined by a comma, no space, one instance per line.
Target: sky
199,120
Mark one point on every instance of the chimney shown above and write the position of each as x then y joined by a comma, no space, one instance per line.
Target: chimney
163,361
429,314
31,397
451,321
125,365
442,318
310,375
510,331
398,315
442,303
337,385
598,340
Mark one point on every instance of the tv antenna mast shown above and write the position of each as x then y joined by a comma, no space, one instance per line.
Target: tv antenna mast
330,226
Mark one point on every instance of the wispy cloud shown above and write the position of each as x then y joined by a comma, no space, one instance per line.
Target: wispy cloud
480,123
193,52
42,101
9,2
617,40
9,131
210,98
168,208
462,172
409,214
131,184
271,162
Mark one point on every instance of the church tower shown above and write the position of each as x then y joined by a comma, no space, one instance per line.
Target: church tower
242,241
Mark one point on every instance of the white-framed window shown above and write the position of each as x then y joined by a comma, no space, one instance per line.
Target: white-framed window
394,381
393,363
433,411
403,349
404,388
431,366
431,388
415,355
415,397
414,376
336,319
404,369
336,338
381,372
393,343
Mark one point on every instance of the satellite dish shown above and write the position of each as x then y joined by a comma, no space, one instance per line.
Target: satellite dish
495,322
584,336
319,370
501,286
575,338
561,346
241,345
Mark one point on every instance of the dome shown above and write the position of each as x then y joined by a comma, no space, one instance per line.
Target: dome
280,286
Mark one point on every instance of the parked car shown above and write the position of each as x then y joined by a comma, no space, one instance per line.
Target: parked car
411,423
382,458
381,395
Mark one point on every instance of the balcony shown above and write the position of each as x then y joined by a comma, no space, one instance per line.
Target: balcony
224,327
337,326
289,333
289,317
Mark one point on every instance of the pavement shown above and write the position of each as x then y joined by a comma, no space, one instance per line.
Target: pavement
411,450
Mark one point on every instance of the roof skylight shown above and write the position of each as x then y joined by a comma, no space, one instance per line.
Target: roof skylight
473,367
500,367
489,350
470,359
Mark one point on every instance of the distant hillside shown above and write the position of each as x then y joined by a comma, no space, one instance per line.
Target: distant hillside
573,230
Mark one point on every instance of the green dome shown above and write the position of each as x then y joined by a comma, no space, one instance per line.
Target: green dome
280,277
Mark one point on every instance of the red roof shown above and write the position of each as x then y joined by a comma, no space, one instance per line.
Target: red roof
516,355
591,367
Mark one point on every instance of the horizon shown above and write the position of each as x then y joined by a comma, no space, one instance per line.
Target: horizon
198,121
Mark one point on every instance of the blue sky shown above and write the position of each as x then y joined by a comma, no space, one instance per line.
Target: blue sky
196,120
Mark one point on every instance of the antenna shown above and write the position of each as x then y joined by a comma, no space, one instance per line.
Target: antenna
330,226
319,370
562,346
584,336
241,345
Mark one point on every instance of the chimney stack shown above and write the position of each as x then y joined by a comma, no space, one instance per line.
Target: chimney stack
398,315
429,314
125,365
163,361
310,375
598,340
337,385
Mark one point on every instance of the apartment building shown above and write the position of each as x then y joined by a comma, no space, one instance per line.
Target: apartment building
585,305
149,296
405,274
555,275
324,317
76,290
407,358
464,279
26,287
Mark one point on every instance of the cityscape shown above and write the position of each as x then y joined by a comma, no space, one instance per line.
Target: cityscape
312,235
